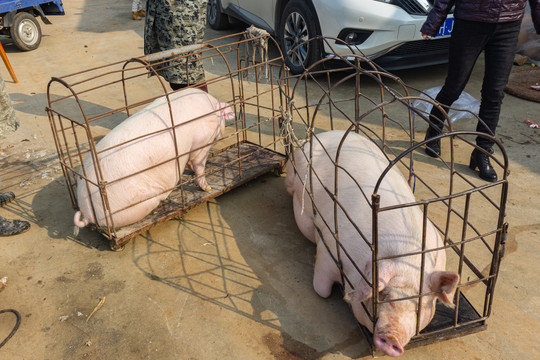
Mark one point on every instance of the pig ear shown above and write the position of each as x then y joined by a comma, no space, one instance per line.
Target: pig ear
358,295
226,111
447,282
362,293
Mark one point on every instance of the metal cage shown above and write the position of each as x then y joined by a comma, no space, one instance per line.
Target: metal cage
467,212
84,106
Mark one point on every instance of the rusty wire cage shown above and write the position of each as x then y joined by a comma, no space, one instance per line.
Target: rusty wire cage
83,107
467,212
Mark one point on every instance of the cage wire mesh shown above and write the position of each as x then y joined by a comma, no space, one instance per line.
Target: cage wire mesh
275,114
85,106
468,213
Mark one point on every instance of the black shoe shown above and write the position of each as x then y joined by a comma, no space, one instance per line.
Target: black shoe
12,227
481,161
6,198
433,148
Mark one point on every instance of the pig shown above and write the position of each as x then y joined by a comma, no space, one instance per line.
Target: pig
132,191
361,164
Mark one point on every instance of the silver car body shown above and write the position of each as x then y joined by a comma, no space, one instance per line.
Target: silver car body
391,25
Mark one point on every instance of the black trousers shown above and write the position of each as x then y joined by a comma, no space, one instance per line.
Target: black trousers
469,39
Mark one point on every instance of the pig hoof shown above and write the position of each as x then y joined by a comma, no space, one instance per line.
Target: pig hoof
206,188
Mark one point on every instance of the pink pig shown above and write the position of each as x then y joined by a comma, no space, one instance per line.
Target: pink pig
399,233
142,190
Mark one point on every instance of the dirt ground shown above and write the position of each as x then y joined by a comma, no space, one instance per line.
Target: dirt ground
232,278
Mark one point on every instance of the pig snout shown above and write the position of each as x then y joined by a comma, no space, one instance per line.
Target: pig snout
395,327
388,345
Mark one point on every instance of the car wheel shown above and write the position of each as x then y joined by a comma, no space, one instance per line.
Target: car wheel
25,31
296,27
215,16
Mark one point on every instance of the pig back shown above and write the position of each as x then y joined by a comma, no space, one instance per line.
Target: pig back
137,158
360,164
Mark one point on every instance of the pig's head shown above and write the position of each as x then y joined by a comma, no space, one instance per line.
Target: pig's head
396,323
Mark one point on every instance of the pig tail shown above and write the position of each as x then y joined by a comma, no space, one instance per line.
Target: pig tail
79,221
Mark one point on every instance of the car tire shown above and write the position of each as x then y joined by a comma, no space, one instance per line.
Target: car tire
215,16
25,31
297,25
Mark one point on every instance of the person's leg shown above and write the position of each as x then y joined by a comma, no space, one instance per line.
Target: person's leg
135,10
467,42
499,57
140,7
187,27
151,43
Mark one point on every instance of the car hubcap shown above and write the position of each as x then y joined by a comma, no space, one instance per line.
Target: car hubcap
28,32
295,33
212,10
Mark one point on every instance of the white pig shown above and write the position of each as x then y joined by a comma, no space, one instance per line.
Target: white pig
141,191
399,232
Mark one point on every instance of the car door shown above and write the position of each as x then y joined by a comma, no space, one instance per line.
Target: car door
263,9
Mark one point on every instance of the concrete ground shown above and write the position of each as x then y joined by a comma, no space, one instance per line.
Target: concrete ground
232,278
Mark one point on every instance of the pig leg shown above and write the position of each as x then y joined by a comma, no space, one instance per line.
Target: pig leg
326,272
197,164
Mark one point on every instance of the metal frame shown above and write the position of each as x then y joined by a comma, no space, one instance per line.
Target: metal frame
326,109
244,153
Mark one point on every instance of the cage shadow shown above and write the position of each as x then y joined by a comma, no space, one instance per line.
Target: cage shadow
227,253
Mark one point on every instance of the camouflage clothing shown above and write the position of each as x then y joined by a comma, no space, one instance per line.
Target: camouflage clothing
8,121
172,24
11,227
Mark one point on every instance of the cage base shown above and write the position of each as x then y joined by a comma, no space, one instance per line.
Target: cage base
256,161
441,326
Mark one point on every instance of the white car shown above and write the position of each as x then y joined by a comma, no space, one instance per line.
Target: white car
386,31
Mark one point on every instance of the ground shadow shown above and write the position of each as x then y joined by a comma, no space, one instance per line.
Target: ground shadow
51,207
35,104
104,16
243,253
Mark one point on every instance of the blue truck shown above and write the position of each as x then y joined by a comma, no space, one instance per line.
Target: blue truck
18,20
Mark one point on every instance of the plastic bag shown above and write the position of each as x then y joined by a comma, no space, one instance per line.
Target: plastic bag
528,42
464,102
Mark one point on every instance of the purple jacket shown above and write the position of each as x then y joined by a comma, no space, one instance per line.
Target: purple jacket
490,11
